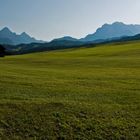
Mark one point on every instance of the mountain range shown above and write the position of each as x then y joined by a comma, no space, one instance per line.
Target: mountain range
9,37
107,31
115,30
23,43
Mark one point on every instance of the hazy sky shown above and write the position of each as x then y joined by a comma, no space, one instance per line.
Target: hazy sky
48,19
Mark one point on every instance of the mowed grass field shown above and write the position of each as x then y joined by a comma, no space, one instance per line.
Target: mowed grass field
83,94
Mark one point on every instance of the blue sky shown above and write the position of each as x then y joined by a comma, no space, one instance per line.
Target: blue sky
48,19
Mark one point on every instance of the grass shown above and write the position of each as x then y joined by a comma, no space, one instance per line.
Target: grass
83,94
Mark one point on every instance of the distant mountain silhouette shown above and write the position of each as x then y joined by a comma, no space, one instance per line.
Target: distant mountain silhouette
66,38
112,31
9,37
107,31
117,29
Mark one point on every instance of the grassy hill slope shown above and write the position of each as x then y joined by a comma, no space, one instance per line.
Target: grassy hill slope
86,93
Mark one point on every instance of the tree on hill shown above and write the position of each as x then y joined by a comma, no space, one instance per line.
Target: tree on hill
2,51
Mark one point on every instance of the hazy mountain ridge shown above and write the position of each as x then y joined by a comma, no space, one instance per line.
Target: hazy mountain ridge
23,43
116,29
65,38
9,37
107,31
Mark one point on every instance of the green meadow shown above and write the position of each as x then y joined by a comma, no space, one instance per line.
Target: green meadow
73,94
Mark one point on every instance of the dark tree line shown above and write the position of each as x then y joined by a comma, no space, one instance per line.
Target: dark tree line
2,51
